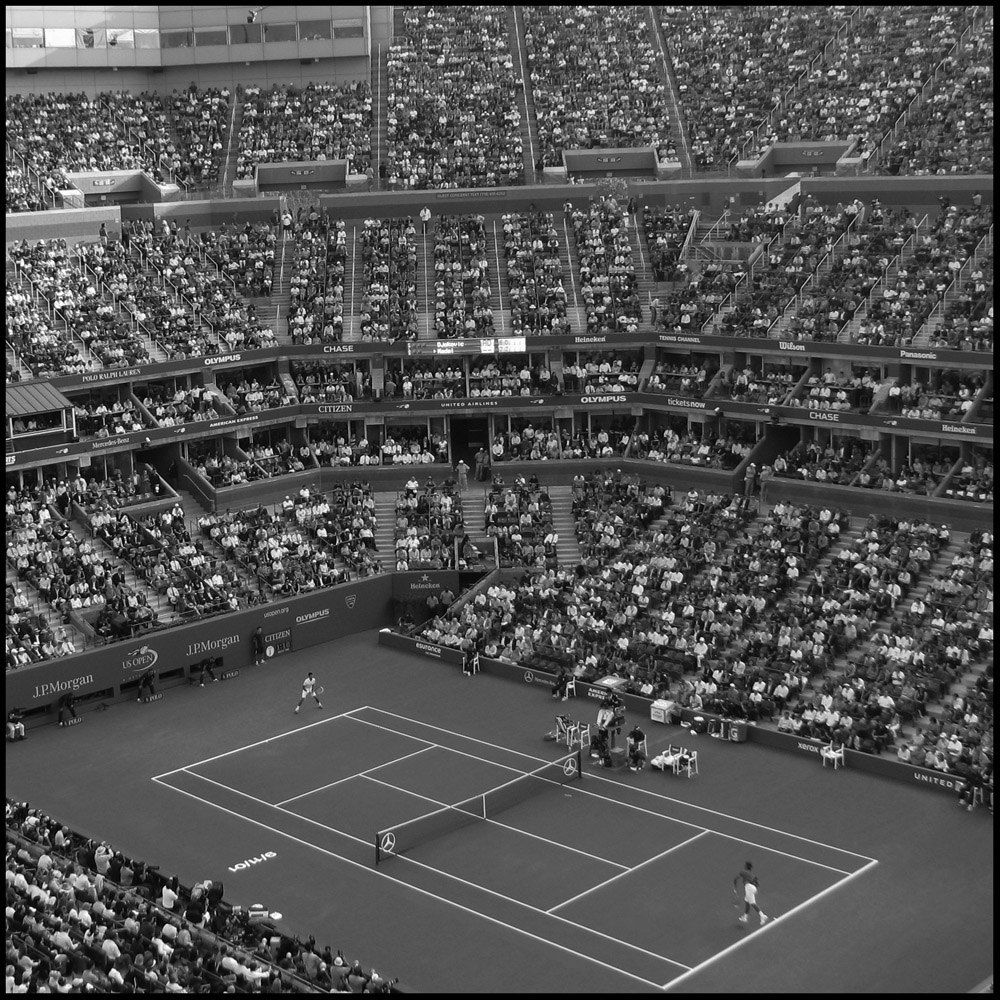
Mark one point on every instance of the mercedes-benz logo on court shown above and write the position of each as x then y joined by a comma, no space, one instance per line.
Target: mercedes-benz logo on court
529,677
388,842
569,767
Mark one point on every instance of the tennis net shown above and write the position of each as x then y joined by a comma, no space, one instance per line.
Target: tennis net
405,836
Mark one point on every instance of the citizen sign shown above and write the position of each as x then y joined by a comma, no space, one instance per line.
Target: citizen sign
335,408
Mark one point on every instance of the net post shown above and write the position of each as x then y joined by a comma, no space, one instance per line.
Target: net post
579,762
378,849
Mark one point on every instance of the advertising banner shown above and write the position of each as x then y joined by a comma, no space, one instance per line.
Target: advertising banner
294,624
419,584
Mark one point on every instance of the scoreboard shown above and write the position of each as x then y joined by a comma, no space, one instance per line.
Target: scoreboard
487,345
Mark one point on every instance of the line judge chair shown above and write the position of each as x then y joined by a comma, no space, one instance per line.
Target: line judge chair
686,762
836,757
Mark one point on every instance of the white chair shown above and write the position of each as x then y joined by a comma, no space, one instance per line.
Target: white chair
686,762
665,759
835,756
570,688
565,729
584,734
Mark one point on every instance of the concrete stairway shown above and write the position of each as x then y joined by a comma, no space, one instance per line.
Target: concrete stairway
153,599
529,121
568,549
380,106
678,127
385,532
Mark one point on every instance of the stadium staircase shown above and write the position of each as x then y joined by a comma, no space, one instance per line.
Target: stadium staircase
385,531
568,552
157,353
212,548
231,151
497,270
576,312
380,102
273,312
665,70
14,365
529,122
645,285
425,282
193,507
159,604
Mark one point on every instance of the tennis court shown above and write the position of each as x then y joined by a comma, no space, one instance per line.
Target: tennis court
620,882
563,854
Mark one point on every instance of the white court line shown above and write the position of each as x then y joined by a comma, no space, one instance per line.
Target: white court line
360,774
439,746
493,822
434,896
644,791
271,805
250,746
614,878
535,909
768,926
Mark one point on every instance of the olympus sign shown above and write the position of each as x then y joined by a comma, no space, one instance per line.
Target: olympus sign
312,616
604,399
221,359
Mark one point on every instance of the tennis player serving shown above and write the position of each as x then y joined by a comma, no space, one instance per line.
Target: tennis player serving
310,686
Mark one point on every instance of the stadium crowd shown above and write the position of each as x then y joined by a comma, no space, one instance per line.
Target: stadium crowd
453,116
83,917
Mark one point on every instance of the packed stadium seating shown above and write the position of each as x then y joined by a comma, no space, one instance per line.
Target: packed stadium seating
85,918
870,626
